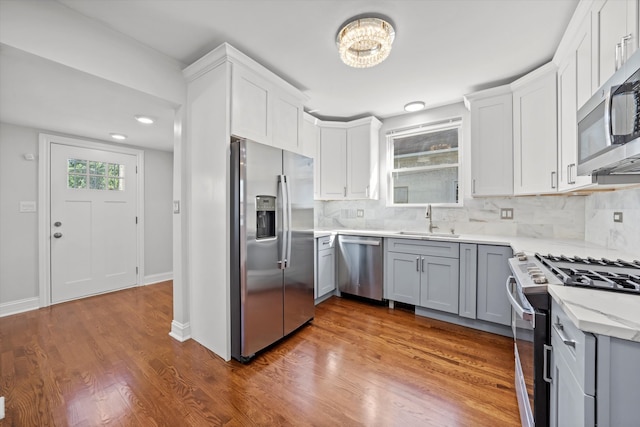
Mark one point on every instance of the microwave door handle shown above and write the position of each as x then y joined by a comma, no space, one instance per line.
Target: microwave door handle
607,115
522,312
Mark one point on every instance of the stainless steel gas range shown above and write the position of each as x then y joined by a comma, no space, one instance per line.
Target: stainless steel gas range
531,319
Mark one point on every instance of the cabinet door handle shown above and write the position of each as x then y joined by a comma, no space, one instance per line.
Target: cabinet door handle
418,264
560,330
617,57
623,48
545,363
345,191
422,262
473,190
571,178
553,184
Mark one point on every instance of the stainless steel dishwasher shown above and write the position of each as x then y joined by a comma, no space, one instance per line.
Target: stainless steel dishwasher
360,266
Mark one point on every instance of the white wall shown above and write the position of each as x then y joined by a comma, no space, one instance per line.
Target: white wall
599,225
18,231
158,189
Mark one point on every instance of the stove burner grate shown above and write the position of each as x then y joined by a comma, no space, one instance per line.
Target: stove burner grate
619,275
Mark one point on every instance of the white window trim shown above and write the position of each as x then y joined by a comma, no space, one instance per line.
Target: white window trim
415,130
44,201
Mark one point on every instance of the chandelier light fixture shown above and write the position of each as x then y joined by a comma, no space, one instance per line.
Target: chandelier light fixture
365,42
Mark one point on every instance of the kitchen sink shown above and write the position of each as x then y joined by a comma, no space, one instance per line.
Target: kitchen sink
427,234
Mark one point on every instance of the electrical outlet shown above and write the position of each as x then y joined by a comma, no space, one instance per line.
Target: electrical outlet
617,217
506,213
360,213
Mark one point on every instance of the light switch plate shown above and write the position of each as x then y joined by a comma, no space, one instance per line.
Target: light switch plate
617,217
176,206
360,213
506,213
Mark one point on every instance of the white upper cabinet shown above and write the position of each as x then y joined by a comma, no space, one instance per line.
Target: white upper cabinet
348,159
311,148
574,89
491,142
333,163
263,111
614,37
362,161
535,148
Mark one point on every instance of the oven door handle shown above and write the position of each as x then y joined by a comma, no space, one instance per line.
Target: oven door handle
524,313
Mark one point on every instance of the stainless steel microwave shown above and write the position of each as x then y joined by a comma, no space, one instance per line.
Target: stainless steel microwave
609,126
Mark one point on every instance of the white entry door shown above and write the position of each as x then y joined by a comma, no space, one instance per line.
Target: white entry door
93,221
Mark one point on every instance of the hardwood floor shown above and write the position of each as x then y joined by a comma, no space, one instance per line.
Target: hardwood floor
109,360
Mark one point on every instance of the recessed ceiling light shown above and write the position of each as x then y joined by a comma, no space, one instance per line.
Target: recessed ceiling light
414,106
118,136
145,120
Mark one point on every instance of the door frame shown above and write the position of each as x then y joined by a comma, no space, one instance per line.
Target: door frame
44,201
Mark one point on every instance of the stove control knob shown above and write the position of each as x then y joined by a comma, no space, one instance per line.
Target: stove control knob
521,256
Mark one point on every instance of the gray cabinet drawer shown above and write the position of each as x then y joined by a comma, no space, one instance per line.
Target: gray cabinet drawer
424,247
326,242
576,347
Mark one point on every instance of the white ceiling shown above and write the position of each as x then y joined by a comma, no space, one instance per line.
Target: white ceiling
443,50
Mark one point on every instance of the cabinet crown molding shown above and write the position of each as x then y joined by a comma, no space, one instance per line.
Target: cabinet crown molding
371,120
227,53
487,93
543,71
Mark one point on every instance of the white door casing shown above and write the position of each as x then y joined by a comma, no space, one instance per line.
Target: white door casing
100,244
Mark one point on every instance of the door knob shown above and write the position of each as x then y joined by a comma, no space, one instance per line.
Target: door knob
57,224
57,235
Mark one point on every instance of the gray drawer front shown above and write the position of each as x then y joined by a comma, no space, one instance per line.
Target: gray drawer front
424,247
326,242
579,350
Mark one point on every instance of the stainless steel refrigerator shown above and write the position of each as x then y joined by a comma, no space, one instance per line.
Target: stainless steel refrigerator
272,269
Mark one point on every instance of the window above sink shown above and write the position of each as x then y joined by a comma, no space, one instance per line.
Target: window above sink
424,165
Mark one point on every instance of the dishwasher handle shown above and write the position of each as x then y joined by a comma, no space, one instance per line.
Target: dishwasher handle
361,242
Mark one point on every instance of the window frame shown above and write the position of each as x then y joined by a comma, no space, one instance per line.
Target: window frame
453,123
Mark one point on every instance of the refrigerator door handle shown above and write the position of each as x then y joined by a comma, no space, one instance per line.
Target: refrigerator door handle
288,222
282,262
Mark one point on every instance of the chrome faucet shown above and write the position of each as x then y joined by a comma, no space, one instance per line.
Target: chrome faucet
428,214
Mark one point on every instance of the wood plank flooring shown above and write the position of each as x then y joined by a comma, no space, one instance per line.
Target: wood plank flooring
108,360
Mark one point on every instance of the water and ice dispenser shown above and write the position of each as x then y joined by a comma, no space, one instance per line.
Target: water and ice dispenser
265,217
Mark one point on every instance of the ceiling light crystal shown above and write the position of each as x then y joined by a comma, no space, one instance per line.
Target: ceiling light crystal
145,120
118,136
365,42
414,106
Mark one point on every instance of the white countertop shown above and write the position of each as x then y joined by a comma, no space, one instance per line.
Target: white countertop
600,312
529,245
596,311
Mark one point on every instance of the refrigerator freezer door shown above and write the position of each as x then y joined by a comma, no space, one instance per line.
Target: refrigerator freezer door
299,274
261,278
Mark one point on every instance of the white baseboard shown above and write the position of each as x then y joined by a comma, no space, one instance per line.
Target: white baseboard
19,306
180,331
157,278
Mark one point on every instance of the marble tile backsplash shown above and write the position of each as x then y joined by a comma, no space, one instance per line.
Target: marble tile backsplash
600,227
561,217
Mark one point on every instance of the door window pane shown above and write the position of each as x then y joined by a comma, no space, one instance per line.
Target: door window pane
95,175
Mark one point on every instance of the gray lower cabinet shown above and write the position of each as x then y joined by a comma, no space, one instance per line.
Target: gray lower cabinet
468,280
439,283
402,276
414,274
594,378
493,271
326,266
